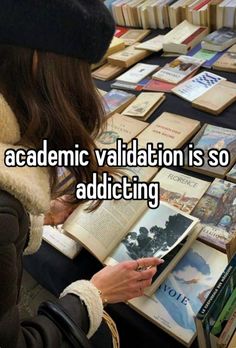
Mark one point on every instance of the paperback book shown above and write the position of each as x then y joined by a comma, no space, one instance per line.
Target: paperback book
154,45
116,101
217,99
137,73
213,137
107,72
210,57
119,127
217,213
180,190
144,105
127,57
128,230
197,85
220,39
215,302
134,35
175,303
227,62
178,70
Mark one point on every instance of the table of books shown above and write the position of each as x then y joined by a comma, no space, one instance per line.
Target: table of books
55,271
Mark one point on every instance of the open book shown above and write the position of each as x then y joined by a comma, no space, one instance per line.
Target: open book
129,230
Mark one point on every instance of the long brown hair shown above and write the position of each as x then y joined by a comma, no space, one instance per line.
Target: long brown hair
58,102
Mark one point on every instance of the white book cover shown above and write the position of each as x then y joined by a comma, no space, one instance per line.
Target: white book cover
197,86
177,301
178,69
137,73
155,44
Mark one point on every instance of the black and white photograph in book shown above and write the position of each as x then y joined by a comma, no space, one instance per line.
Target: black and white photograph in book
155,234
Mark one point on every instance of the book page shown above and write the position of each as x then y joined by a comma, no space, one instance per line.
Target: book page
156,233
100,231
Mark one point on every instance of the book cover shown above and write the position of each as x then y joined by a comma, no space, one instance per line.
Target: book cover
227,61
215,302
176,302
217,212
217,99
137,73
196,86
170,129
116,100
130,86
178,70
180,190
134,35
120,31
214,137
220,39
231,176
232,343
144,104
107,72
228,331
158,232
119,127
155,44
210,57
127,57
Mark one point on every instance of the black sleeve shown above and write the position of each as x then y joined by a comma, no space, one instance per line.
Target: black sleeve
39,331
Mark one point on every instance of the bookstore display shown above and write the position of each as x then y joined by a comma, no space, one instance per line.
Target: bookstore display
184,100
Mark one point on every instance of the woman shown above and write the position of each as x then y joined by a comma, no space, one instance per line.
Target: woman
46,48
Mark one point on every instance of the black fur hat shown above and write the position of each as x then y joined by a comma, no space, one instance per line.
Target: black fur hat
76,28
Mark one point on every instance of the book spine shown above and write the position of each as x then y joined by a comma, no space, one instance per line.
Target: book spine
193,36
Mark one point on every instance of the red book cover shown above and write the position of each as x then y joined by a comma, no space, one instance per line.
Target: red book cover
193,36
120,31
158,86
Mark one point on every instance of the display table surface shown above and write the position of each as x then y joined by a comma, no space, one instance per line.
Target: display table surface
55,271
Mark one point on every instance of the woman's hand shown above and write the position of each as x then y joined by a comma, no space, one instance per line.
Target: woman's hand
59,212
126,280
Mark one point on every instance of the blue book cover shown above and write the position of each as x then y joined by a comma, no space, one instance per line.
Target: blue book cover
210,57
174,305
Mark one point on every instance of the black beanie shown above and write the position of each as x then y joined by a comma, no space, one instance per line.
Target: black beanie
76,28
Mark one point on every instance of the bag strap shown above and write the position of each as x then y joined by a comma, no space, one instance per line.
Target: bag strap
73,333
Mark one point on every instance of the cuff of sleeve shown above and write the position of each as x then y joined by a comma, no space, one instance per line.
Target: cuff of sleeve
89,294
36,233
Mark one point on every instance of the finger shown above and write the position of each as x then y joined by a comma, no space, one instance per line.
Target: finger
145,283
149,262
147,274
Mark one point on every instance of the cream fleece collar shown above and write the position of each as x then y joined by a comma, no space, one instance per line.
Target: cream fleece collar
29,185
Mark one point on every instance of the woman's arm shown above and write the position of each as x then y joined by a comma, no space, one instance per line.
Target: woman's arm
39,331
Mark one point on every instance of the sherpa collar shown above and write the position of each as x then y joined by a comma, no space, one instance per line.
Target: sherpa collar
29,185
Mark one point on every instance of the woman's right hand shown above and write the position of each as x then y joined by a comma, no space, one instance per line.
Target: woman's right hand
125,280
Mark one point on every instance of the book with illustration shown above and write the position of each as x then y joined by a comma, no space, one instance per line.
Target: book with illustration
119,127
116,101
213,137
129,230
210,57
217,213
175,303
180,190
197,85
215,303
144,105
178,70
220,39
